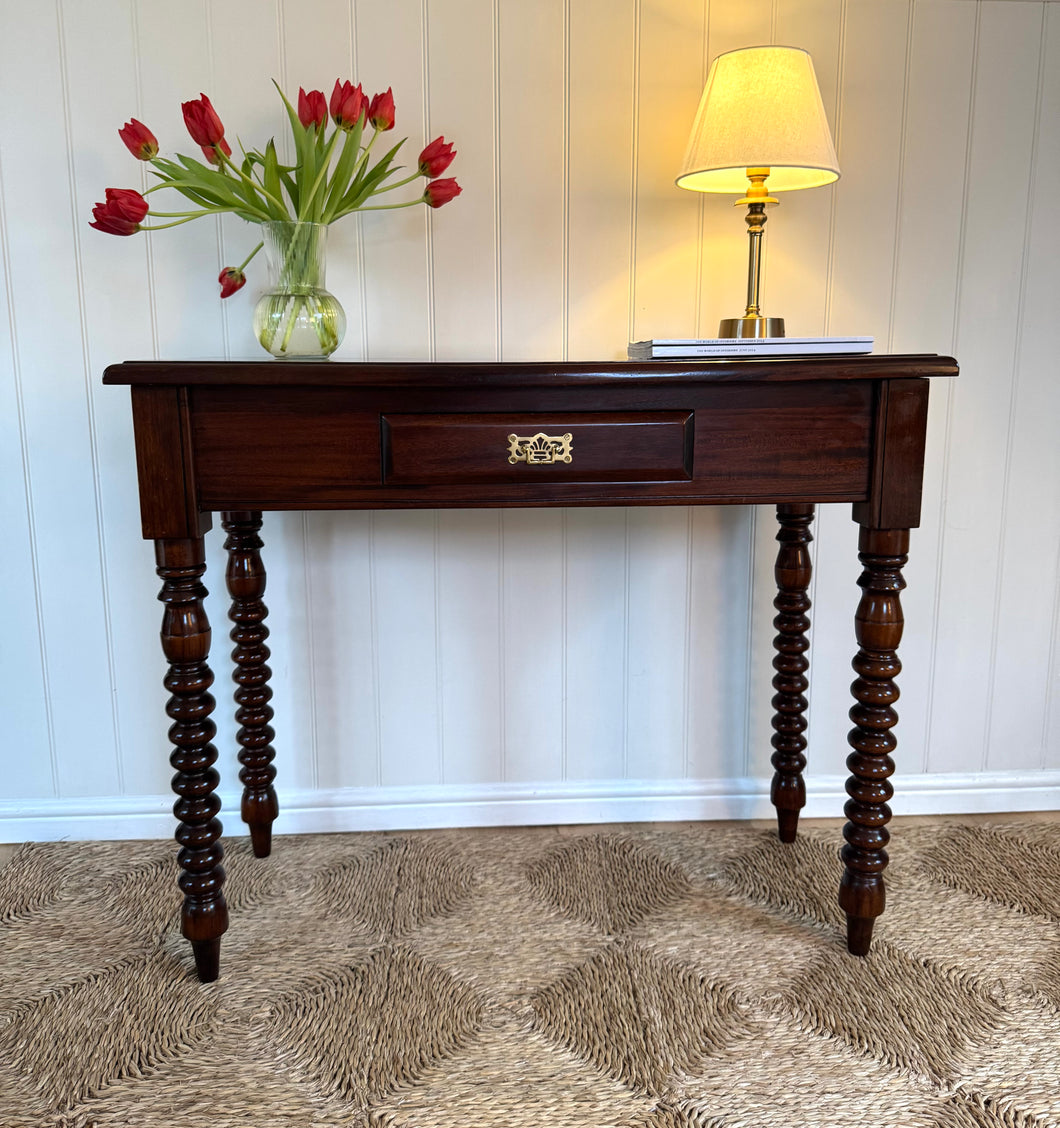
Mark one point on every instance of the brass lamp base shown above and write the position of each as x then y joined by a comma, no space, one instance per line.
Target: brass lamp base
751,327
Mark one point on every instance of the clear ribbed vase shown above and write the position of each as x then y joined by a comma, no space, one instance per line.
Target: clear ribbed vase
297,318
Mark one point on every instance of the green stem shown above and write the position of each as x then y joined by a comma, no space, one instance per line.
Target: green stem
390,207
227,162
174,215
243,265
363,159
178,222
303,211
398,183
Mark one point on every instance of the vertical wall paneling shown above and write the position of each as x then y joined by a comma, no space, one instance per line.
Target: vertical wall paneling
596,584
272,46
601,84
471,654
1051,721
925,293
117,320
26,754
464,74
345,690
988,317
55,405
666,247
797,269
797,276
532,182
760,565
177,65
601,129
723,289
396,261
718,645
326,732
658,546
542,648
532,621
1030,534
406,581
875,44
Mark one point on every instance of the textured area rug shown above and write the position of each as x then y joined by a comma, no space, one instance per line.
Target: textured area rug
682,976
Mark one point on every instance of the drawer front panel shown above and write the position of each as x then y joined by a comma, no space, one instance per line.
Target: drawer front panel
280,445
425,450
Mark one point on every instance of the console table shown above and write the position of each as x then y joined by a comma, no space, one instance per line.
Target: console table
242,437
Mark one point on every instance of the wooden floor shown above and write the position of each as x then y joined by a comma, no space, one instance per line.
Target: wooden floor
7,850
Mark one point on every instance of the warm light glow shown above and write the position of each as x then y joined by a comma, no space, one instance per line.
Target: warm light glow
761,108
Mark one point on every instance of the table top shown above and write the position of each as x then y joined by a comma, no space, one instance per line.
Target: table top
526,374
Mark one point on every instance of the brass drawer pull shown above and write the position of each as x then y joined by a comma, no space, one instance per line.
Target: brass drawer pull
540,449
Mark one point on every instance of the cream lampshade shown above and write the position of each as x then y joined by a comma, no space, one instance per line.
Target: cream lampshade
760,118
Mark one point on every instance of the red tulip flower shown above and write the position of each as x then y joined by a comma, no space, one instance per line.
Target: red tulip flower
139,140
127,203
121,214
202,121
436,157
381,111
312,108
440,192
348,105
231,279
210,151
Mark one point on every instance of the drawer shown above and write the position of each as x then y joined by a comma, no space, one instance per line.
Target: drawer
650,446
280,446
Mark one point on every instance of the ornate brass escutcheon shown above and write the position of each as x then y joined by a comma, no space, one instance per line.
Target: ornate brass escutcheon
540,449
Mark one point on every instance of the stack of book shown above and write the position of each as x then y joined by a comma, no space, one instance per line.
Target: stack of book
671,349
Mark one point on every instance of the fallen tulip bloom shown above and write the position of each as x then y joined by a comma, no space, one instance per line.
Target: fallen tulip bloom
231,279
312,108
139,140
381,110
436,157
440,192
202,121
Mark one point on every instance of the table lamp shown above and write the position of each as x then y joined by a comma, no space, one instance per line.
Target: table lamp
760,118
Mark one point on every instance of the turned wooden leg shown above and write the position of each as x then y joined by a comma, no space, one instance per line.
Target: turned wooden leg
878,628
246,586
186,644
792,571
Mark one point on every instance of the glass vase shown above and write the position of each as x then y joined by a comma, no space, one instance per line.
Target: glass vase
296,318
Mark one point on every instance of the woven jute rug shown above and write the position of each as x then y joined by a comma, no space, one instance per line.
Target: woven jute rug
682,976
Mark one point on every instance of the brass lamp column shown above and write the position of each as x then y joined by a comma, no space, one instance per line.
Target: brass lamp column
760,117
753,324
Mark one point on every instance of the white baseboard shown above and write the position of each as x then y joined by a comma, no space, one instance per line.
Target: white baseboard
524,804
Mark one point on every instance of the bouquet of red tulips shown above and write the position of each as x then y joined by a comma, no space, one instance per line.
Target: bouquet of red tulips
331,175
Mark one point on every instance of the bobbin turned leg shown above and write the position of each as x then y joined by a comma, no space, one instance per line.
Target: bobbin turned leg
792,572
246,586
878,628
186,644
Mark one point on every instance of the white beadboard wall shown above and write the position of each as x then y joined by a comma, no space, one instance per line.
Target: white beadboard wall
480,667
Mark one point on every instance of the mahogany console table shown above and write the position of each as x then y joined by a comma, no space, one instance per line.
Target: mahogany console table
242,437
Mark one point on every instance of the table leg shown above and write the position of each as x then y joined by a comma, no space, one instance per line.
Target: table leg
186,644
792,571
246,586
878,628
